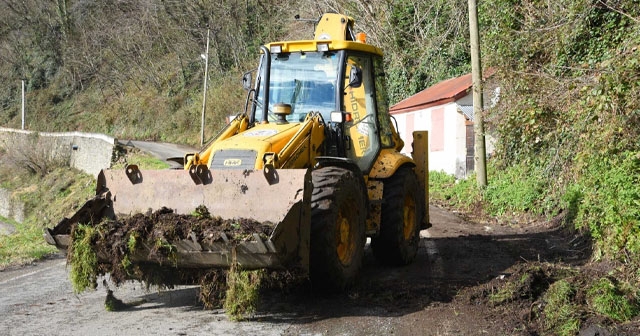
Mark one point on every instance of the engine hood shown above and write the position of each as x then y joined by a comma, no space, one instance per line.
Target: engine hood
246,150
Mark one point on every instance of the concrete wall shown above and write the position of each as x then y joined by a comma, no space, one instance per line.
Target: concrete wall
89,152
10,208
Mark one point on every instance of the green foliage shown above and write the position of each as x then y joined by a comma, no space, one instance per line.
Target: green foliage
517,189
514,190
202,212
562,316
83,259
608,191
47,199
606,297
459,193
424,41
568,114
132,242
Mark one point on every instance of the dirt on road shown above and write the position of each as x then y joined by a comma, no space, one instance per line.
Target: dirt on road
450,289
454,285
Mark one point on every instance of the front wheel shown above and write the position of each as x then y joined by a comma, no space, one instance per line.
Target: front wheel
338,219
402,213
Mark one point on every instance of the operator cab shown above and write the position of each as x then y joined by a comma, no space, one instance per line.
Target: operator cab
336,74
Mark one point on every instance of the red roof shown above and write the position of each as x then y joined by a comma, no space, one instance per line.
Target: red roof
441,93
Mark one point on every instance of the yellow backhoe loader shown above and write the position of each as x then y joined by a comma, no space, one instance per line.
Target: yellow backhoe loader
315,155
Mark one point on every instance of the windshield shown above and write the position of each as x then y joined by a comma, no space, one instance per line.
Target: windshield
306,81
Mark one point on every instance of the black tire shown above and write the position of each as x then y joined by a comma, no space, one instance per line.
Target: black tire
402,213
338,220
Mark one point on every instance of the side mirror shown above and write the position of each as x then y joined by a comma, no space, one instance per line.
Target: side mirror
246,80
355,76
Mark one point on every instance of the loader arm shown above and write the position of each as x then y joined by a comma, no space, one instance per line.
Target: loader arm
237,125
304,146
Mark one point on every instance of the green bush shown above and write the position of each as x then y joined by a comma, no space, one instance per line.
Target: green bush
512,190
517,189
609,206
446,188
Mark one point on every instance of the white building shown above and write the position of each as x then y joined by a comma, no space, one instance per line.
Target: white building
446,111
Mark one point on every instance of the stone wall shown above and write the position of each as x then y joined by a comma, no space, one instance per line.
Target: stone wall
89,152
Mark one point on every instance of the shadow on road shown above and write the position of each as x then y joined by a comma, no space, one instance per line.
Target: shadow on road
443,267
187,298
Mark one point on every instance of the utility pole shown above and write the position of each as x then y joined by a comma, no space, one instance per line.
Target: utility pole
23,107
480,156
204,90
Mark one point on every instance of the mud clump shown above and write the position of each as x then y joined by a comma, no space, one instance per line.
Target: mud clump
557,299
124,245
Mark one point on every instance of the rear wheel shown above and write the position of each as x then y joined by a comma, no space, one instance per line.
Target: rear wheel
338,219
402,212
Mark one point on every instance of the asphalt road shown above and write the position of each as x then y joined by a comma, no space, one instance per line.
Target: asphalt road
417,299
39,300
161,150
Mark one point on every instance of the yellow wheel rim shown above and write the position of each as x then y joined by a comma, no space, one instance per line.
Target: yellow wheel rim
409,217
345,245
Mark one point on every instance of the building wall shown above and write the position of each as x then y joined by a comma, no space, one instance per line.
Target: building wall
445,148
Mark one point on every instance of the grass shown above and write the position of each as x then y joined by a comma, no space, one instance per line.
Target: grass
510,291
562,316
457,193
83,259
143,160
607,298
47,200
25,245
242,294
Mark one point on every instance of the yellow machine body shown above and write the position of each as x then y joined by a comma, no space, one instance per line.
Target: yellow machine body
261,164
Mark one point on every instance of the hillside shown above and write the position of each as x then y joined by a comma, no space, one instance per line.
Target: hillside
134,70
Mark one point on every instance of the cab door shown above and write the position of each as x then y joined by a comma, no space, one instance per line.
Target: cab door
360,102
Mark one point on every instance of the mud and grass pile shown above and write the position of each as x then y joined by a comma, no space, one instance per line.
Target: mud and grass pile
560,300
111,246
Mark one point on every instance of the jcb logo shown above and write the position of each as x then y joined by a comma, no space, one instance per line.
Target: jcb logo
232,162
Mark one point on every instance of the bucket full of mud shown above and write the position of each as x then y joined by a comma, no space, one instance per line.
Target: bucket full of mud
166,217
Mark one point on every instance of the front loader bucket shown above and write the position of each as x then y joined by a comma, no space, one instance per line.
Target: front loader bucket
281,199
